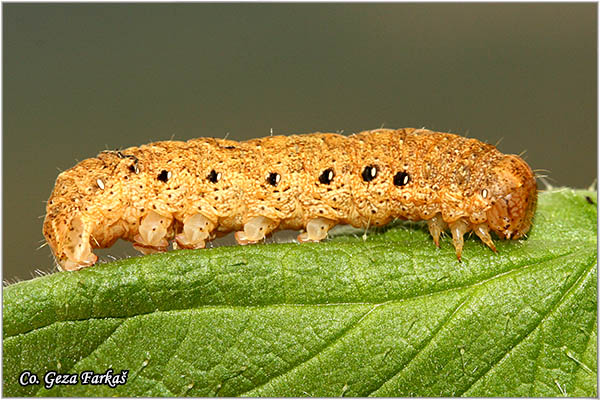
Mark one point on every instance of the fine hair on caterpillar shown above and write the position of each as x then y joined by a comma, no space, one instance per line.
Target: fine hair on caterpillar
192,192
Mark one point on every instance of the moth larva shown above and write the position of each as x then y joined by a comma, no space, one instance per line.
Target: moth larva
196,190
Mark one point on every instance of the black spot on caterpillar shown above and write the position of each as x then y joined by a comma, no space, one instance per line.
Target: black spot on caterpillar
164,176
173,190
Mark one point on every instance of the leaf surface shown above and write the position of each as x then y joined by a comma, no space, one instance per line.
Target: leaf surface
387,316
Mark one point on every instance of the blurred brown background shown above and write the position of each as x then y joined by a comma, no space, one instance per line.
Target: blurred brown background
80,78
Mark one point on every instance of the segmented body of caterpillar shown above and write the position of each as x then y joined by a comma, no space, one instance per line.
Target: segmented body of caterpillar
196,190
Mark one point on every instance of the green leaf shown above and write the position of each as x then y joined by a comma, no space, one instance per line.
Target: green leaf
387,316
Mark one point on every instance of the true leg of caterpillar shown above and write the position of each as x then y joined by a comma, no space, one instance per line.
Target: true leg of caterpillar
458,229
316,230
77,247
436,227
196,230
483,231
255,230
152,233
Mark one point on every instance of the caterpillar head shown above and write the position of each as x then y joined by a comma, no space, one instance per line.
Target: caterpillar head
64,228
74,206
514,198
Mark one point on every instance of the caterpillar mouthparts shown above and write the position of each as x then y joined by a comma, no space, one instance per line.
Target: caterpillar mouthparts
193,191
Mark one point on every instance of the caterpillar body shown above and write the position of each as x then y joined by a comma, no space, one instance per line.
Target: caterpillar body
194,191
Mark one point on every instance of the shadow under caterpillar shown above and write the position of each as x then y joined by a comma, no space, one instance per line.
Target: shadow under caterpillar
197,190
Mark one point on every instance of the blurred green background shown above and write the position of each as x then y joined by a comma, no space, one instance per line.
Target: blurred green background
81,78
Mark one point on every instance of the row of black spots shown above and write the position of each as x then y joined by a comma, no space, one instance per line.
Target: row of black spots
400,179
213,176
368,174
273,178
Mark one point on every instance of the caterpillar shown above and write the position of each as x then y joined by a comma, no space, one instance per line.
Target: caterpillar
191,192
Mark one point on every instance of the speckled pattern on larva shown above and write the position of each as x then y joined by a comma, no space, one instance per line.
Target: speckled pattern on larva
193,191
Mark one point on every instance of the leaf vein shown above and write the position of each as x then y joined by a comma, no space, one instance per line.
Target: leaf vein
425,344
91,350
578,282
333,340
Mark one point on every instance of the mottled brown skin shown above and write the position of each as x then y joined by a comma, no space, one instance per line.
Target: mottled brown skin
452,180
